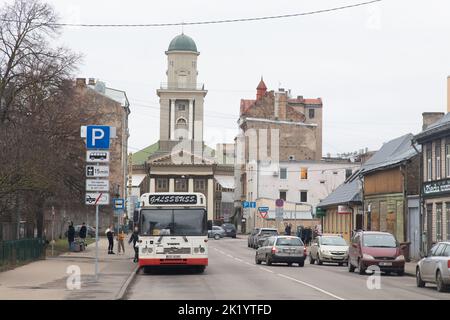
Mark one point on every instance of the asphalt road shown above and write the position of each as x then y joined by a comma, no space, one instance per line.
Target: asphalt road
233,274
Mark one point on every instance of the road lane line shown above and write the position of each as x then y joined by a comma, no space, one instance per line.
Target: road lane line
265,269
311,286
237,259
228,255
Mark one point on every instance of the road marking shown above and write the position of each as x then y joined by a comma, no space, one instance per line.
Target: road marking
229,256
237,259
311,286
265,269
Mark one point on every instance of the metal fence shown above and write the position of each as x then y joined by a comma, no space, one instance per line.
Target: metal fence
13,252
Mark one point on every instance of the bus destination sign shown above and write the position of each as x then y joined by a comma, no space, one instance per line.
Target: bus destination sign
172,199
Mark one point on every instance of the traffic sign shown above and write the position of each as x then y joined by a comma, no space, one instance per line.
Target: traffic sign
93,171
97,137
97,156
249,204
97,185
91,198
263,214
119,204
263,209
279,203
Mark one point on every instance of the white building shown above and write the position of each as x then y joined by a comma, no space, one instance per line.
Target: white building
305,181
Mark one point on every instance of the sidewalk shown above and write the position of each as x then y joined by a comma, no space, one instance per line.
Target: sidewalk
410,268
48,279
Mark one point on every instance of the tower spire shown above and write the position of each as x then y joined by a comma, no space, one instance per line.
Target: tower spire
261,89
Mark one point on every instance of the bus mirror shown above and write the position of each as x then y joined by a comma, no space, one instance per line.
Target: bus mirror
209,225
136,216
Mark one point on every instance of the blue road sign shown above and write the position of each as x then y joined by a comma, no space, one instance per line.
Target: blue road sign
249,204
118,204
97,137
263,209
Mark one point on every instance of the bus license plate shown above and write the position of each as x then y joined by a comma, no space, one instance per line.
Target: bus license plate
173,256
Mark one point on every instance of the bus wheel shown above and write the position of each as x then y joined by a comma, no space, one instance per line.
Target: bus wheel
147,270
201,269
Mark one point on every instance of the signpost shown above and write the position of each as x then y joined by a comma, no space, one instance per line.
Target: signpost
279,212
263,211
97,145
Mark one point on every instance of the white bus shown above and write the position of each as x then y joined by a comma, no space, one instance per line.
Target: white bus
173,230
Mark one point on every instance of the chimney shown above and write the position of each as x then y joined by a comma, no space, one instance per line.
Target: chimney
91,82
448,93
80,82
430,118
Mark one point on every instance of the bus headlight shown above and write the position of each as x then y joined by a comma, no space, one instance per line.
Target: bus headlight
144,250
149,250
196,250
202,250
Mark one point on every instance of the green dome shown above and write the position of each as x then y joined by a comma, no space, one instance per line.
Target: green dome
182,43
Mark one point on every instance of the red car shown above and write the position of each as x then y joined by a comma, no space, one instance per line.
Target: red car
372,248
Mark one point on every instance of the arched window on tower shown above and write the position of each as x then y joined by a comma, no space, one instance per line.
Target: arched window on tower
181,129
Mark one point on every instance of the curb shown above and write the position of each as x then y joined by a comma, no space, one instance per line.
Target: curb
126,284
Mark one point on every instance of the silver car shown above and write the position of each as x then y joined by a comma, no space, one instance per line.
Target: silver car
216,232
329,248
284,249
435,267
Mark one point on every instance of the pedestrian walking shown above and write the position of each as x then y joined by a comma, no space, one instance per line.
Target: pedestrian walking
135,239
83,233
120,241
287,230
71,236
110,235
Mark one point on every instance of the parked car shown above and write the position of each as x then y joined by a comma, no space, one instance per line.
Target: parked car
263,234
435,267
230,230
252,238
328,248
217,232
281,249
372,248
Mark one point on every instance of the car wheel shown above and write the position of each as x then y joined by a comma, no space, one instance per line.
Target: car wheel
216,237
257,261
420,283
319,262
311,259
362,271
268,262
234,237
351,268
340,264
301,263
441,287
401,272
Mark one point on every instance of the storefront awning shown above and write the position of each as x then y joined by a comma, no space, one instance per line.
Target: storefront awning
226,182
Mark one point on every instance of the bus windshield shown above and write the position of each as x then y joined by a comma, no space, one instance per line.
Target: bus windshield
173,222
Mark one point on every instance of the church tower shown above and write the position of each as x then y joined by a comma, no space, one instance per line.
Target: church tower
181,97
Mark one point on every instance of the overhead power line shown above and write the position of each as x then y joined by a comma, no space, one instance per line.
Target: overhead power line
283,16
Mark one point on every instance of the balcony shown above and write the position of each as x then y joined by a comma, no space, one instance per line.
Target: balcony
182,86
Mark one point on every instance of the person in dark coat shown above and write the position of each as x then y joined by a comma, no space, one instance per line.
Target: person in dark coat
135,239
83,231
287,230
71,236
110,235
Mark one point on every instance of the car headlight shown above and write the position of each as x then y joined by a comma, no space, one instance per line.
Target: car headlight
367,257
325,251
400,257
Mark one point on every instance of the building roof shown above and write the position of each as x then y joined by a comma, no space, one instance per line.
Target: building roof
442,124
317,101
345,193
246,104
226,182
113,94
391,153
141,156
182,42
261,85
136,179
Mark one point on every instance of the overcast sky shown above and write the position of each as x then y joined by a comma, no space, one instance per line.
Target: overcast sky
376,68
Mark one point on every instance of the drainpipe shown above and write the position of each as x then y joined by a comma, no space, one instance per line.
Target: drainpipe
362,200
421,200
404,172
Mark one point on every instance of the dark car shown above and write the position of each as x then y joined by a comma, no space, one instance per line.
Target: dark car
230,230
371,248
282,249
252,238
263,234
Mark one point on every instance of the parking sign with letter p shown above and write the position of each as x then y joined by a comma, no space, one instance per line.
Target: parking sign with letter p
97,137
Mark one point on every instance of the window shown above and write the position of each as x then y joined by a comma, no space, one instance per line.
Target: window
438,251
447,209
311,113
438,160
303,173
283,195
438,221
218,209
283,173
348,173
199,185
162,185
181,185
303,196
429,173
447,160
181,107
181,122
446,252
